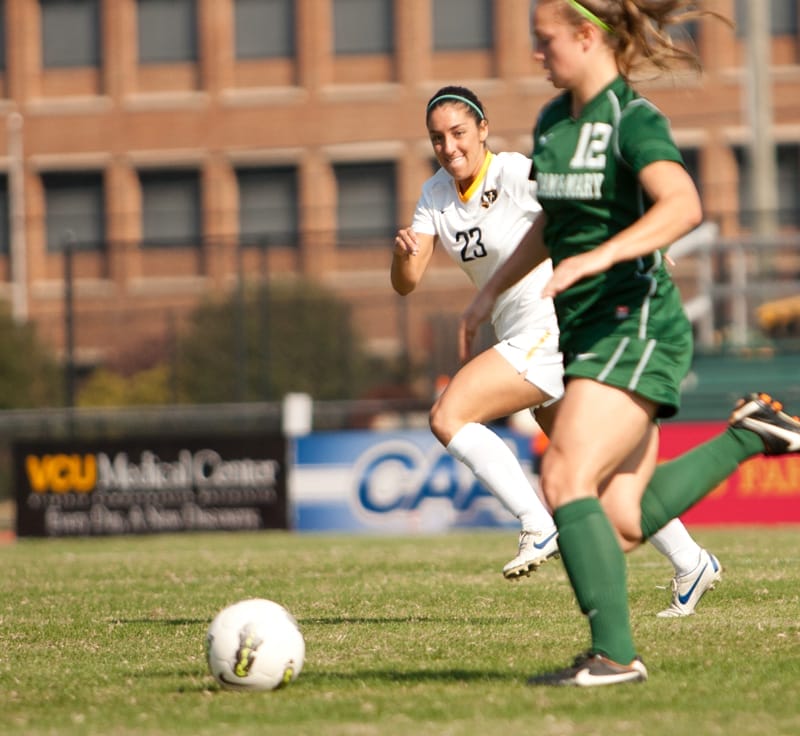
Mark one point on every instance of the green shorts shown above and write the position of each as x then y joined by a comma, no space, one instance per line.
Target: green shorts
652,368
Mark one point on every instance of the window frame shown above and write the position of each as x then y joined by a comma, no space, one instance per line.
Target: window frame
441,19
190,176
364,41
288,50
92,57
290,175
191,52
357,172
92,185
789,8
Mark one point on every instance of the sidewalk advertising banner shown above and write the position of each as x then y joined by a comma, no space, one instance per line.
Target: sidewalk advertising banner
764,490
394,482
406,482
141,486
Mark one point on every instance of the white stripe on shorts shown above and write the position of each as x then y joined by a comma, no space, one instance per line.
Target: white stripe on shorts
614,359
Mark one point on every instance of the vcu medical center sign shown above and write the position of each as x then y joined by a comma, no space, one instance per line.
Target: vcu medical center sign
140,486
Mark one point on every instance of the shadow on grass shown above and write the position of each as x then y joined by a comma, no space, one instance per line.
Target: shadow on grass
383,620
199,680
161,621
329,621
410,677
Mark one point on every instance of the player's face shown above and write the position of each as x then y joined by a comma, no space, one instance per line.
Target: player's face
458,141
557,45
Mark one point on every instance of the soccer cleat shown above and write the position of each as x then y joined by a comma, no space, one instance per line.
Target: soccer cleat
762,414
535,548
593,670
687,590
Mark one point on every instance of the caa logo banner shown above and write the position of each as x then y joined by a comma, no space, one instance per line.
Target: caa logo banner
390,481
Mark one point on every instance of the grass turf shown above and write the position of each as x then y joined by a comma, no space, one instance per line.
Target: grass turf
404,635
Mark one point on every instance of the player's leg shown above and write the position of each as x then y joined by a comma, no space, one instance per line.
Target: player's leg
757,425
487,388
578,458
696,569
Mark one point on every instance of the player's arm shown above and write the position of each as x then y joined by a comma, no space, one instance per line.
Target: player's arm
676,210
530,252
412,253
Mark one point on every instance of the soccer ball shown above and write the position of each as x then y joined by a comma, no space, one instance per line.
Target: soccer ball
254,644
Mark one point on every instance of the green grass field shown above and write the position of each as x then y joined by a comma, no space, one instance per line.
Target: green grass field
404,636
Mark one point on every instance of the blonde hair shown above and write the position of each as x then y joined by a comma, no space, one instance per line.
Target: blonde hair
637,30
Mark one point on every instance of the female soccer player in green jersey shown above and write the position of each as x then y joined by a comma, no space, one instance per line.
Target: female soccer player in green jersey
615,194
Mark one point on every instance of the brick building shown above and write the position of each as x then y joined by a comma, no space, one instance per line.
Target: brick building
178,143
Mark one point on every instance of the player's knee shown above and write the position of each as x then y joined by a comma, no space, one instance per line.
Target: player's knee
628,532
440,424
562,481
554,484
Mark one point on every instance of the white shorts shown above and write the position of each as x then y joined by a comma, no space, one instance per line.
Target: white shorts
537,357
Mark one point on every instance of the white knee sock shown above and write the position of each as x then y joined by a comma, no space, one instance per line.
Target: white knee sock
677,545
497,468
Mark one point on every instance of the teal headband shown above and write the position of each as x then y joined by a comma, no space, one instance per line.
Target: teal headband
590,16
458,98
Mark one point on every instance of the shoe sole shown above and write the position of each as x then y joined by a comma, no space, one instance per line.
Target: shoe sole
525,569
762,414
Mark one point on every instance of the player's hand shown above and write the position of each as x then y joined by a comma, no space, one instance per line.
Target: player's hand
405,242
572,270
478,312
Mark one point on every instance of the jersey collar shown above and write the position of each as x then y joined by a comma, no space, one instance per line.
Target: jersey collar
616,85
478,179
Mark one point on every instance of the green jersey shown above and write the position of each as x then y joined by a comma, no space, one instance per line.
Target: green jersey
586,173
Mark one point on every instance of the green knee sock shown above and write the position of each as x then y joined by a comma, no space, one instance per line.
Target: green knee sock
596,568
680,483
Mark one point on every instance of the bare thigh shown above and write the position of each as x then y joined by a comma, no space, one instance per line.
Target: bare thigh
598,430
484,389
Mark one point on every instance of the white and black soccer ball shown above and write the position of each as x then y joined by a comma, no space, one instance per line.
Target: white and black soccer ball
255,644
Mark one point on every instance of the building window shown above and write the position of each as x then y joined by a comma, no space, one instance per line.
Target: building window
74,210
268,206
462,25
788,184
363,27
366,202
70,33
5,219
167,31
691,160
782,17
686,34
171,208
264,29
2,36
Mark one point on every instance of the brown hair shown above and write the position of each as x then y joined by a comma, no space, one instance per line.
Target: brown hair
459,95
638,30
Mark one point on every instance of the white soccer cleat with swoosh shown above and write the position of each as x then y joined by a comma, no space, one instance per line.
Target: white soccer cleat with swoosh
535,548
687,590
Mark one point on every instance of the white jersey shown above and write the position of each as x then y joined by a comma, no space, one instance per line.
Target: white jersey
481,230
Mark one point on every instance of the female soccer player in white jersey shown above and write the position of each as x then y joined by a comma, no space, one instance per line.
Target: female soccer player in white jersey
479,205
614,194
